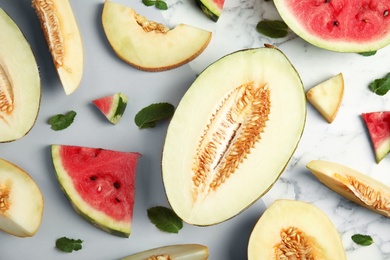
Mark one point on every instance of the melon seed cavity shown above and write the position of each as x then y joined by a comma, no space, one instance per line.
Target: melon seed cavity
149,26
4,199
233,130
159,257
45,11
6,93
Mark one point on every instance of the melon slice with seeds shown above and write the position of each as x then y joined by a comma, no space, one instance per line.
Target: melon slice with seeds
327,96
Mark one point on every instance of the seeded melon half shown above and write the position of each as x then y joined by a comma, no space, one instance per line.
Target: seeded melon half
232,135
291,229
20,84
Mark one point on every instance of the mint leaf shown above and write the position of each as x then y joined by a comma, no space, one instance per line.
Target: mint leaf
165,219
161,5
60,121
149,2
272,28
363,240
148,116
381,86
368,53
68,244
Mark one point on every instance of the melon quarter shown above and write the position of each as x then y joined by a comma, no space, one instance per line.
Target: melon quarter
343,25
232,135
20,84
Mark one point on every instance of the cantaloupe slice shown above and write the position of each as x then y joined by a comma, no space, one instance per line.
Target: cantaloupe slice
148,45
327,96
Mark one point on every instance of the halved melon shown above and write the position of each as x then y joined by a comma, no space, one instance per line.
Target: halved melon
343,25
174,252
21,201
64,40
232,135
99,183
20,84
326,97
291,229
148,45
353,185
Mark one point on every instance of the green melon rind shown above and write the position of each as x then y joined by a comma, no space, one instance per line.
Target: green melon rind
382,150
118,107
332,45
93,216
209,9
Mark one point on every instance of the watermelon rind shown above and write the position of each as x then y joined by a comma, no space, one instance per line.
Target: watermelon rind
336,45
210,9
95,217
117,108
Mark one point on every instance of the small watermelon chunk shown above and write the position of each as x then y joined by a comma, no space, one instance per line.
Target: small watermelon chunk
378,126
112,106
211,8
99,183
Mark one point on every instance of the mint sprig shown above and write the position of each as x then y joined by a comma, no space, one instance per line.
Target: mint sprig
68,245
165,219
62,121
148,116
159,4
381,86
272,28
363,240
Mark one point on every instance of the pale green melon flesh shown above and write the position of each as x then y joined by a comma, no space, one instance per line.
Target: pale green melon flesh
264,68
21,204
315,228
20,86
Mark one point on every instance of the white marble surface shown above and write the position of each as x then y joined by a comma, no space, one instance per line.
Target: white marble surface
344,141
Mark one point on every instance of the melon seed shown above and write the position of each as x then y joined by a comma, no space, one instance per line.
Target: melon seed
233,130
386,13
159,257
294,245
6,94
4,199
148,25
45,11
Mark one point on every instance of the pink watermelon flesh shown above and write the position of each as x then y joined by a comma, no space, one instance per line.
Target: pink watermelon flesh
104,104
219,3
378,126
104,179
348,20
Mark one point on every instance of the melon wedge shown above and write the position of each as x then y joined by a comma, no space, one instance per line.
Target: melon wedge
148,45
21,201
112,106
327,96
64,40
378,126
291,229
174,252
99,183
222,156
353,185
20,84
343,26
211,8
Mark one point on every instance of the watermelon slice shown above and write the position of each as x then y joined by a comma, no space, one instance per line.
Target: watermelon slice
211,8
342,25
112,106
99,183
378,126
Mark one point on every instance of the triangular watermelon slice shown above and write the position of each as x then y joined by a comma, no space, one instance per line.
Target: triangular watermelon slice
378,125
99,183
112,106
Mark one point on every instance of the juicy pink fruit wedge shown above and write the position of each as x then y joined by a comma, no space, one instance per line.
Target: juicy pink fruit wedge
378,126
112,106
99,183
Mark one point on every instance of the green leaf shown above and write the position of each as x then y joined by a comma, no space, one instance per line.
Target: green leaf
165,219
363,240
68,244
161,5
381,86
149,2
60,121
148,116
368,53
272,28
